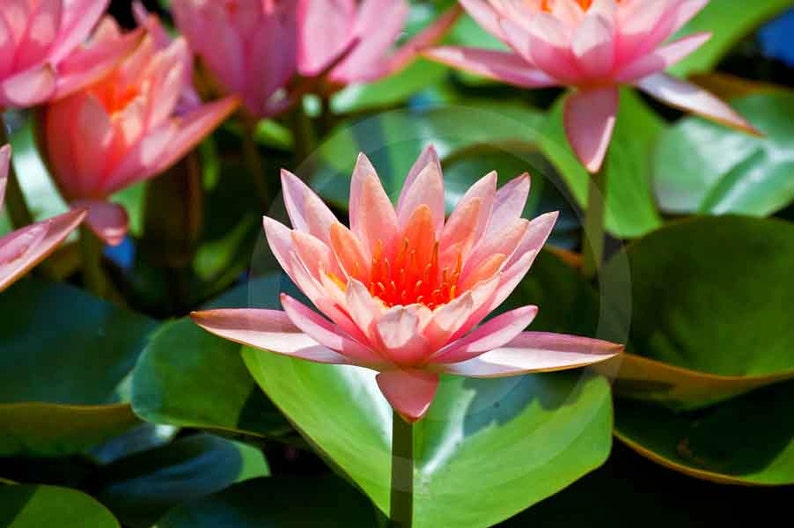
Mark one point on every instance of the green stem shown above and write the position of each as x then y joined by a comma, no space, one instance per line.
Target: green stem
326,115
593,240
17,207
402,474
302,134
94,279
253,159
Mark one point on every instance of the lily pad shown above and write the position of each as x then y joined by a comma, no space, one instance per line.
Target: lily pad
59,379
31,506
702,167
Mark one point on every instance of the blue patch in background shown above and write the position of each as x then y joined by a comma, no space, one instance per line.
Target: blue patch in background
777,38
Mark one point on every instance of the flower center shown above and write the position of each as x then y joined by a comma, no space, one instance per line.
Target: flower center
413,275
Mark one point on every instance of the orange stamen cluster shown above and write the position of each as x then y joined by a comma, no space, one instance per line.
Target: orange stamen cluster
546,5
413,276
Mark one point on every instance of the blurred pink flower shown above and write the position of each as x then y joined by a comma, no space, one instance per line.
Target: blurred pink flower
404,289
123,128
594,46
42,55
27,246
270,52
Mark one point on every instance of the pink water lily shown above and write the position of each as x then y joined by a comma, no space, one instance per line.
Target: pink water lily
593,46
27,246
403,289
123,128
270,52
42,55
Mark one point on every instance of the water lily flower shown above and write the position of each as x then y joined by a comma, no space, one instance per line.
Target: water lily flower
122,129
27,246
41,49
270,52
593,46
403,290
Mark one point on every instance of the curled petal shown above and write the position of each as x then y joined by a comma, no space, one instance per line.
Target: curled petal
589,117
535,352
692,98
409,392
268,330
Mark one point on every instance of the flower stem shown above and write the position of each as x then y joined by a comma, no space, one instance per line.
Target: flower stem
402,474
17,207
94,278
593,240
253,160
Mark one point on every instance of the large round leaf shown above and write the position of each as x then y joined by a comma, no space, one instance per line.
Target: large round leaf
710,301
700,166
63,354
188,377
29,506
746,440
277,502
142,487
630,210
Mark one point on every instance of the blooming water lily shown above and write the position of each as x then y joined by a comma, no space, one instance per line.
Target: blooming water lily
403,290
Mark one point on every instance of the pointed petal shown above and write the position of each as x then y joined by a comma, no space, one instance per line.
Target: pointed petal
427,189
493,334
509,203
107,220
329,335
484,14
589,117
269,330
662,58
372,216
593,44
399,329
78,19
363,309
547,45
447,320
409,392
24,248
503,66
350,256
535,352
28,88
279,238
692,98
535,238
306,210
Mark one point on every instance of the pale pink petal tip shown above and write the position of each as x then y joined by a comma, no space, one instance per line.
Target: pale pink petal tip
107,220
409,392
589,118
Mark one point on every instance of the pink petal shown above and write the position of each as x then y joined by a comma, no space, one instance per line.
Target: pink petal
306,210
28,88
470,217
662,58
692,98
423,40
363,309
78,19
484,14
448,319
502,66
279,238
509,203
535,238
409,392
328,334
399,330
24,248
317,257
42,25
426,189
593,45
376,33
686,11
107,220
535,352
504,243
428,157
269,330
5,159
493,334
326,30
372,216
589,117
547,45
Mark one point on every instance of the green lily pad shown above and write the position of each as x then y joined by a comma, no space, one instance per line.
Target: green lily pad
703,167
710,296
140,488
63,354
30,506
188,377
630,209
746,440
277,502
